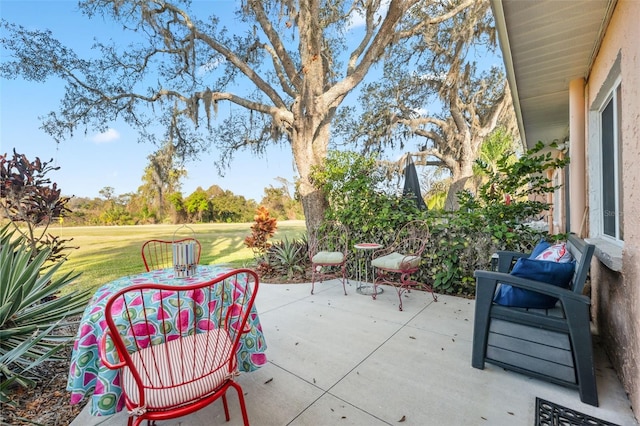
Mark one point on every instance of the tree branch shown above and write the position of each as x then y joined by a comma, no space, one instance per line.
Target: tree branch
371,7
433,21
280,57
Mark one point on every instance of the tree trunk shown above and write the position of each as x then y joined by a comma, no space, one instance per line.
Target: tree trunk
310,147
460,181
314,205
312,114
451,203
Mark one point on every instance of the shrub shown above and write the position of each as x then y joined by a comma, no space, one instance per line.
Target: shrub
495,219
33,317
460,241
31,202
355,187
287,258
264,228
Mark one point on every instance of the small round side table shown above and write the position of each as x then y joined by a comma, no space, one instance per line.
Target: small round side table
365,250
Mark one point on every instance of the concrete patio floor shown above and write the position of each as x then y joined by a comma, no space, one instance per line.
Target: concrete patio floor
350,360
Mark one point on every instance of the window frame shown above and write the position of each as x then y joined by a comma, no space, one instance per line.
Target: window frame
613,100
610,91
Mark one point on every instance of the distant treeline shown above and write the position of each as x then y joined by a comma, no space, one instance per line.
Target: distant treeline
213,205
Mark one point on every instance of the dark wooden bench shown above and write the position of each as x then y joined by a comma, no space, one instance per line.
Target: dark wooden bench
549,344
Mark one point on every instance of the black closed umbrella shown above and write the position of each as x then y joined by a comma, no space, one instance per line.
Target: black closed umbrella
412,184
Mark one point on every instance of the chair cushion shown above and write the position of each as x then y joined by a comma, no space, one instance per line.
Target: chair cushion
188,369
328,258
558,274
396,261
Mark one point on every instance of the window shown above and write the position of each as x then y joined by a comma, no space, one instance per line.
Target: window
610,153
604,168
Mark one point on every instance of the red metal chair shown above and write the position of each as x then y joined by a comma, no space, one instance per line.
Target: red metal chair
328,250
158,254
176,345
395,264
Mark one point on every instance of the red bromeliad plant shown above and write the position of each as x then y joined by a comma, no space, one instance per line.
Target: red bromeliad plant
31,202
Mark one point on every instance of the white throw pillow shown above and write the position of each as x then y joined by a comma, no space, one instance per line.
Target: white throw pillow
556,253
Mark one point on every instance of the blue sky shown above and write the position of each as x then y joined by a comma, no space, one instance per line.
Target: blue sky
91,162
115,158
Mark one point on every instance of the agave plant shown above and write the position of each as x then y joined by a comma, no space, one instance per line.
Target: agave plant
33,315
288,257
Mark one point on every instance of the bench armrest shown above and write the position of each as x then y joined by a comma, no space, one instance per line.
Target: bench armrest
506,259
486,281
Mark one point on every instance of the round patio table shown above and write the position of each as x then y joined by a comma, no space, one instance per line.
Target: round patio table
86,371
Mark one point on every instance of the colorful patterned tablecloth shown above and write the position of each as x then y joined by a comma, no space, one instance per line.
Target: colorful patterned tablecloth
86,372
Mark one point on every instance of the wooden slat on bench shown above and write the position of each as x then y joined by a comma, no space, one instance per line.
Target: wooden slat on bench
542,351
555,355
536,366
555,312
531,334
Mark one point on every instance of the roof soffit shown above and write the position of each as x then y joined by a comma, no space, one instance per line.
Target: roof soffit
551,43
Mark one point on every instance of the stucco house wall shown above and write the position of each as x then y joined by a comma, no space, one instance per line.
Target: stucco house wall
616,293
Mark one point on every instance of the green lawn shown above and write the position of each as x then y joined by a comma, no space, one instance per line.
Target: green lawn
107,252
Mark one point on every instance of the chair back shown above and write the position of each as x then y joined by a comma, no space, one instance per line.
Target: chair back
330,236
412,238
582,252
177,343
158,254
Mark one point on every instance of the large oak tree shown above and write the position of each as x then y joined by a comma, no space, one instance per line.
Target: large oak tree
286,66
437,94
